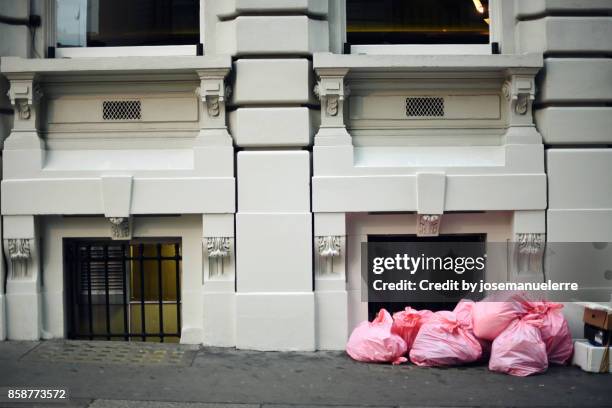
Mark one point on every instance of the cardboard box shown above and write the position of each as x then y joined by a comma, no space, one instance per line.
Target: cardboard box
589,357
600,318
598,324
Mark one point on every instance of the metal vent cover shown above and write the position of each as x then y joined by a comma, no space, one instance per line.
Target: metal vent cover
425,107
121,110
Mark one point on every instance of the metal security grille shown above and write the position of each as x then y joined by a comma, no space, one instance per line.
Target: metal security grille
121,110
124,290
425,107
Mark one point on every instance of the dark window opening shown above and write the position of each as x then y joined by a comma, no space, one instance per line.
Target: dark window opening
392,307
123,290
113,23
417,21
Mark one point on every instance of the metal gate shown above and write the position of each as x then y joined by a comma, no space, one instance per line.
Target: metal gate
123,290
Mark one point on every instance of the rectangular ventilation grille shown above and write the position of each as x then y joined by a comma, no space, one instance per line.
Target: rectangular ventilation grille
425,107
121,110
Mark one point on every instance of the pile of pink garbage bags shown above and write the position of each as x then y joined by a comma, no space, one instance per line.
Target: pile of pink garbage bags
518,336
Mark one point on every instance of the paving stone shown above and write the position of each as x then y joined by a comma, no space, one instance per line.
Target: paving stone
155,404
113,353
12,350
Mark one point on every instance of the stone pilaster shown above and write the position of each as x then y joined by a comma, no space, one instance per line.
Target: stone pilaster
23,300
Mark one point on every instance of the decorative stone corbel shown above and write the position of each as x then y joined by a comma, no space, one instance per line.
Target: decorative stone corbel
121,228
213,94
218,249
19,254
530,251
328,248
428,225
519,90
24,95
332,91
530,243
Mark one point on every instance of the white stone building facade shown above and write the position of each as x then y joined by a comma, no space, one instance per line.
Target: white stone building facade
269,159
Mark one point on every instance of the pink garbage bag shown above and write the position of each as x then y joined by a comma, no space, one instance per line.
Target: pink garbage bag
493,314
408,322
464,311
444,340
373,342
519,350
555,331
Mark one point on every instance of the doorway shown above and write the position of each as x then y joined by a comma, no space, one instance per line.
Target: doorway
120,290
479,241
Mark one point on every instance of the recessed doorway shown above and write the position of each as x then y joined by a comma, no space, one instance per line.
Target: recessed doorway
480,247
120,290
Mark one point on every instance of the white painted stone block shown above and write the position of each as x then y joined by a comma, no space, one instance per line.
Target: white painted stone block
330,224
576,80
218,225
275,321
2,317
527,8
575,125
232,8
431,188
273,81
579,178
529,222
580,35
273,181
331,320
23,315
53,324
117,195
579,225
464,192
272,35
274,252
219,319
266,127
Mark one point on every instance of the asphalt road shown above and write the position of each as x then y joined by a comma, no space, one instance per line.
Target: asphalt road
126,375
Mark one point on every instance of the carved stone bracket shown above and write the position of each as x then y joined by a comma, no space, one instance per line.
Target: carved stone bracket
19,249
331,91
24,95
213,96
520,92
530,243
428,225
218,249
19,253
530,252
213,92
329,246
121,228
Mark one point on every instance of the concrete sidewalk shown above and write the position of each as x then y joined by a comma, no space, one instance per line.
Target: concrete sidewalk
131,375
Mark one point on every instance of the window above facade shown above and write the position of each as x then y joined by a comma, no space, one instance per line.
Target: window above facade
421,25
116,27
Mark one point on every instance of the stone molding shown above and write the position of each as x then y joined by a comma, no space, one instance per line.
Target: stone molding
19,253
218,250
428,225
121,228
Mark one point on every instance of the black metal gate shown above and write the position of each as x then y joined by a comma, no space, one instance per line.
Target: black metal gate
121,290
